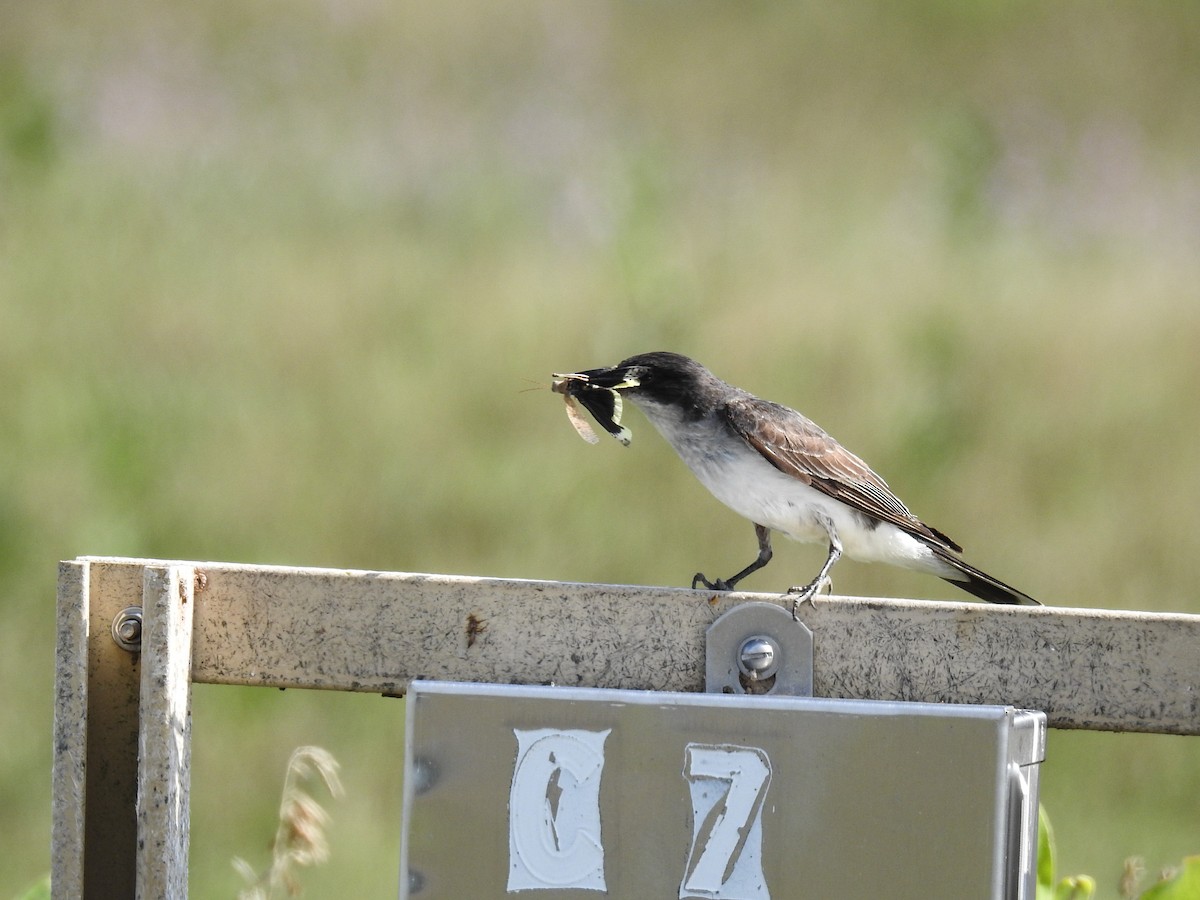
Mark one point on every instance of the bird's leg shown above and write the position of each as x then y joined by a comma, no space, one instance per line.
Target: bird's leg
808,591
728,584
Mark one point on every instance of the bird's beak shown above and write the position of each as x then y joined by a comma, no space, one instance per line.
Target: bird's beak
614,378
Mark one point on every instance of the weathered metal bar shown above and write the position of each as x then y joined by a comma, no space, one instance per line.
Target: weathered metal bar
165,732
70,732
376,631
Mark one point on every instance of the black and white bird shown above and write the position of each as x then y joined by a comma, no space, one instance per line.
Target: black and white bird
777,468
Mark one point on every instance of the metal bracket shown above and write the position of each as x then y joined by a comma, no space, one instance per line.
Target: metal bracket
758,648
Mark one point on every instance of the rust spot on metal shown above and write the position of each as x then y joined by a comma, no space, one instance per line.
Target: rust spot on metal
199,583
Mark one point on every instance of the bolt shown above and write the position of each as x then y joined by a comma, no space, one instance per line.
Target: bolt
756,658
127,629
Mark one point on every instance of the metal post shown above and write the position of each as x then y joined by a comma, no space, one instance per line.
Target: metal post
165,732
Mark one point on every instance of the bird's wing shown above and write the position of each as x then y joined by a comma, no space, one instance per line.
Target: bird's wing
797,447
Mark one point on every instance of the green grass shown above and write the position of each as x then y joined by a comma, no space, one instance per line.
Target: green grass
274,278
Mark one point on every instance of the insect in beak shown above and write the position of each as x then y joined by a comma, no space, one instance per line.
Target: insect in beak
602,402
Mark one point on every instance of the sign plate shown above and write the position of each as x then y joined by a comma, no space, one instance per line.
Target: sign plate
544,793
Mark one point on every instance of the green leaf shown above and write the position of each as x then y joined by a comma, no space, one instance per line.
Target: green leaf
1078,887
1184,885
1045,856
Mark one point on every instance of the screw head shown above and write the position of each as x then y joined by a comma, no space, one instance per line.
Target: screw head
127,629
757,657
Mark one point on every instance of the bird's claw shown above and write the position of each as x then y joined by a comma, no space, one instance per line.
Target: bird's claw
807,594
719,585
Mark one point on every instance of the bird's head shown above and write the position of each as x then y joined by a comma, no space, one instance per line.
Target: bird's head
661,378
660,383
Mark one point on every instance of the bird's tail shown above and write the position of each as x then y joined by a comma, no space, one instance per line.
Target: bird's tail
981,584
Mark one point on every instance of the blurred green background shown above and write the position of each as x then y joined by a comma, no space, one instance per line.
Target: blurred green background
275,277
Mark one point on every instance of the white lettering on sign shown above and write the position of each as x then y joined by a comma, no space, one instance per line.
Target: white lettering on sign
554,811
728,785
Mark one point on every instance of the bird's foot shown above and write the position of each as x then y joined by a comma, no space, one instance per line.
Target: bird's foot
808,593
719,585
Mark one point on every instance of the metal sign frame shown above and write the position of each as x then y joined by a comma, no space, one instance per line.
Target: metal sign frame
120,815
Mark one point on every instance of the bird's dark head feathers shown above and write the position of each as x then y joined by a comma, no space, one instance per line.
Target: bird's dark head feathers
661,377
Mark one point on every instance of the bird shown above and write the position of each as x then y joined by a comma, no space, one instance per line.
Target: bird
777,468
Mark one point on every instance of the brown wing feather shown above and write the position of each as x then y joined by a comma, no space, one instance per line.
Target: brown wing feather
798,447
